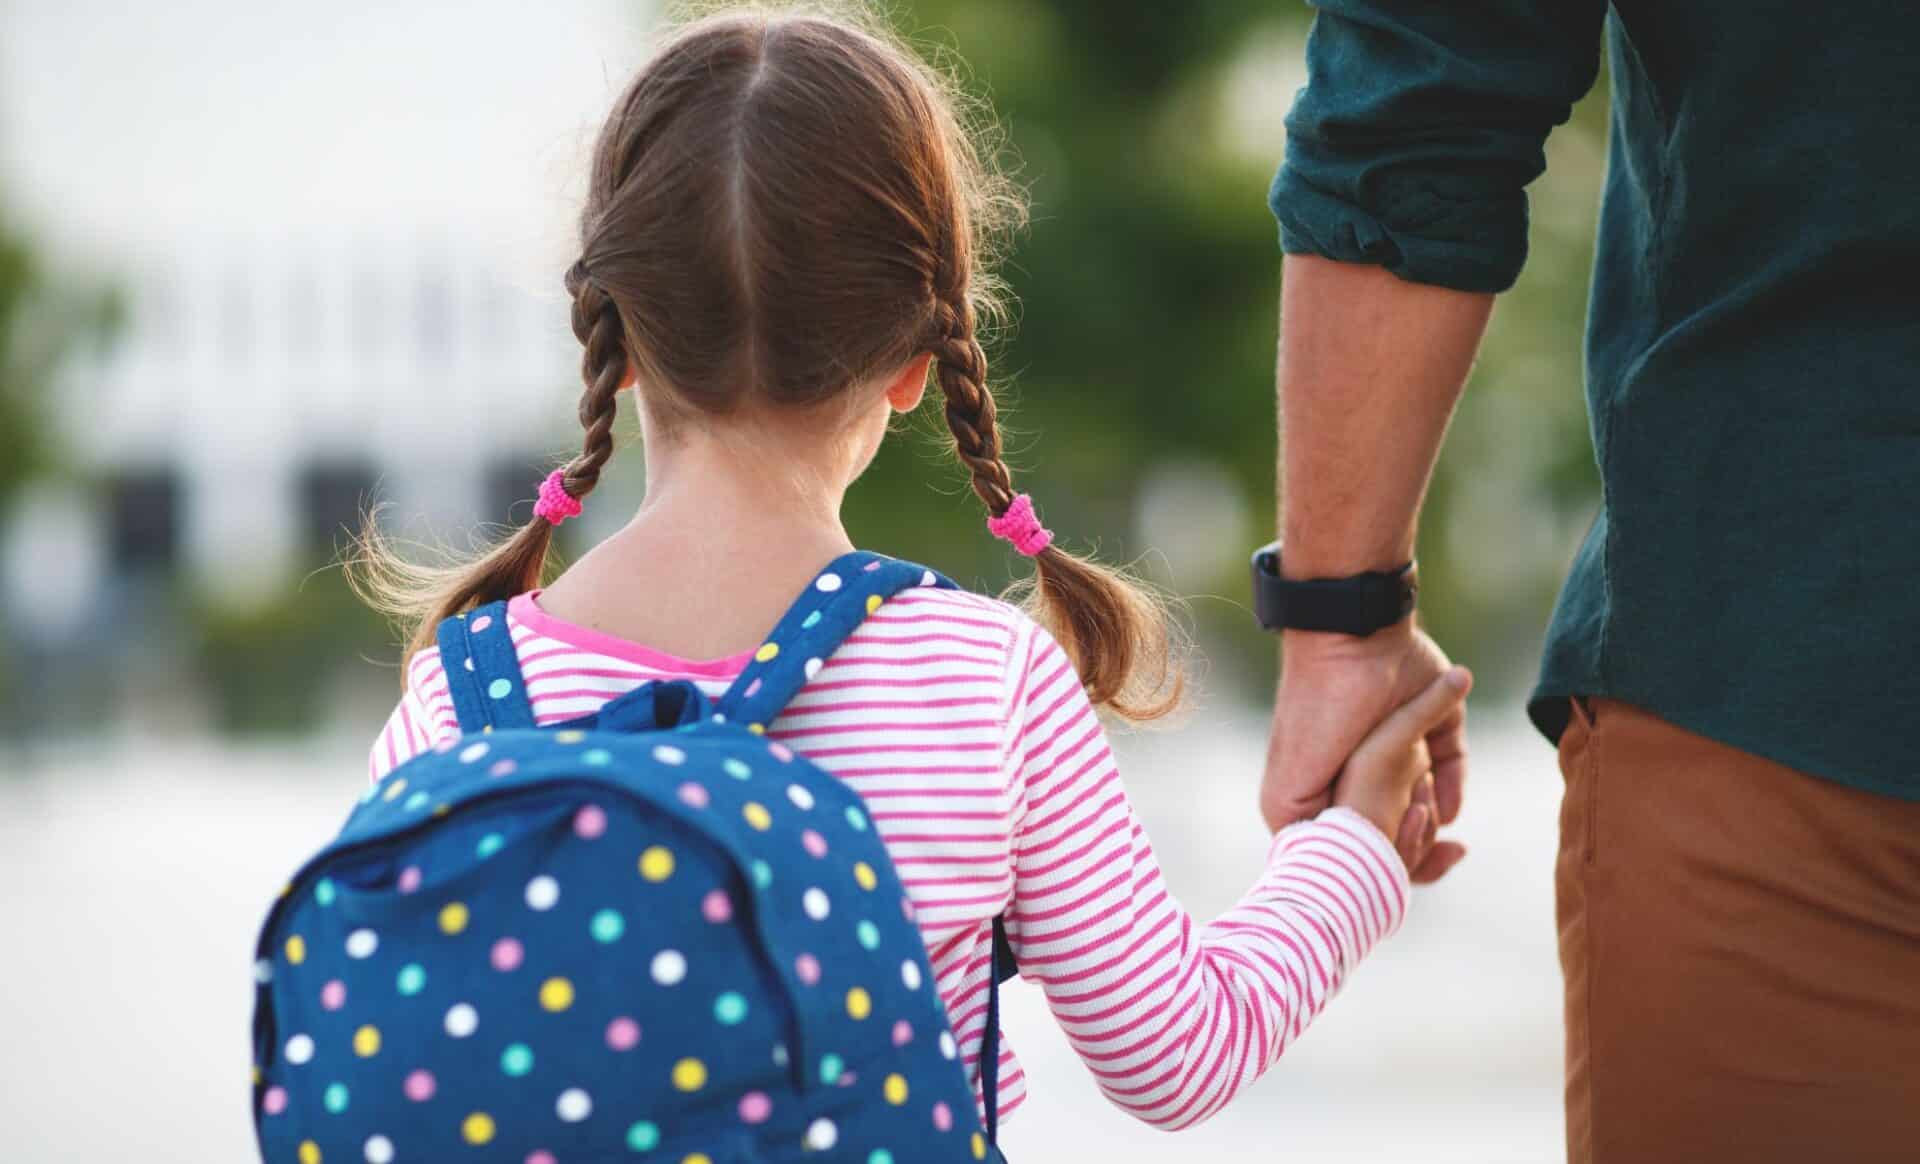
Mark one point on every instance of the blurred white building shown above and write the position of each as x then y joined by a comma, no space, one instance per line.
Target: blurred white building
340,229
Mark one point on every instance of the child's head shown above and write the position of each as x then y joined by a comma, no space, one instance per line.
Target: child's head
784,211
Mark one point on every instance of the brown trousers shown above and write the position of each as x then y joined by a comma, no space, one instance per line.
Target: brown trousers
1741,944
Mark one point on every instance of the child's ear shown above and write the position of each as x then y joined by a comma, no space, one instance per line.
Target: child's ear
906,389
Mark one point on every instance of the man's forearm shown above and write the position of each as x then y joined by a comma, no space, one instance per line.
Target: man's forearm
1370,368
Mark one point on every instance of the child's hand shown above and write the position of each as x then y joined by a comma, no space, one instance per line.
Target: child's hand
1389,777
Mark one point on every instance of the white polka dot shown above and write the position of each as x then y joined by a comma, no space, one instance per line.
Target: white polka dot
362,943
815,902
669,967
802,799
927,579
827,583
813,667
573,1105
779,1054
468,663
379,1150
542,892
263,971
462,1020
821,1135
910,974
473,752
299,1049
668,754
947,1048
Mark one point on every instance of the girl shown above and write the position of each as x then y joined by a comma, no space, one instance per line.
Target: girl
783,236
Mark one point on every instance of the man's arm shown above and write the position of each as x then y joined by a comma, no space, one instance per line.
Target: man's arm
1370,368
1402,208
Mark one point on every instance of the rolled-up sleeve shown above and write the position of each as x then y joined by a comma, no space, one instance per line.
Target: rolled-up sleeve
1420,126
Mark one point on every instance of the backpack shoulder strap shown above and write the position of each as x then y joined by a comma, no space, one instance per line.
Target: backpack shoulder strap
832,607
483,670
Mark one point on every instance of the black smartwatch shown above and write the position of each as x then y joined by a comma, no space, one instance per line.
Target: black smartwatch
1357,605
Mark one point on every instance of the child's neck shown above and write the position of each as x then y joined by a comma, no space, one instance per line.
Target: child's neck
717,550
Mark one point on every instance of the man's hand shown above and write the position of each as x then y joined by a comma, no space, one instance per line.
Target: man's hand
1334,689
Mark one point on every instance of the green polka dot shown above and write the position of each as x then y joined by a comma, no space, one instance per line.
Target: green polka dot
869,935
857,819
730,1008
811,621
643,1136
335,1098
831,1066
736,768
598,757
517,1059
762,873
325,891
879,1156
412,979
500,688
416,802
489,845
607,926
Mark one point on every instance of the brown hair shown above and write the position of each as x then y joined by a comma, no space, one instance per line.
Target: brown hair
786,205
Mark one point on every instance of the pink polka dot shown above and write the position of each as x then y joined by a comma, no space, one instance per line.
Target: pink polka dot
848,1079
419,1086
753,689
870,567
808,968
942,1116
906,908
716,906
486,620
502,768
623,1034
755,1107
814,842
274,1101
409,879
780,752
589,822
902,1033
540,1156
693,795
333,995
508,953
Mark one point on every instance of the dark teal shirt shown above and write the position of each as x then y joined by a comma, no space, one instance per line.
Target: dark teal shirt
1753,346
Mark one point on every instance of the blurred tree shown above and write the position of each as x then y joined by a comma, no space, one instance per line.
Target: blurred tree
1147,289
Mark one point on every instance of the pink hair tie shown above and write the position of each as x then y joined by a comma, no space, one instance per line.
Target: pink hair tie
1021,526
556,504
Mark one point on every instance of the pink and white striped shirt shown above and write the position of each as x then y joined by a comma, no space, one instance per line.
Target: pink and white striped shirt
964,727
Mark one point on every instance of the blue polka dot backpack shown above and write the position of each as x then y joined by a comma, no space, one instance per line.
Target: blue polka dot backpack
649,934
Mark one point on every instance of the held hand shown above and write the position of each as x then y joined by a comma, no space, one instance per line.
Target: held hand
1333,688
1389,777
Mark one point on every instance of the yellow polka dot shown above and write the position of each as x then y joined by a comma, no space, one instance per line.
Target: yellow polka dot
895,1089
453,917
767,651
256,1076
366,1042
296,949
697,1158
442,809
979,1146
477,1128
863,873
287,889
859,1003
569,737
873,602
394,789
757,815
758,729
309,1152
556,994
689,1075
656,864
487,730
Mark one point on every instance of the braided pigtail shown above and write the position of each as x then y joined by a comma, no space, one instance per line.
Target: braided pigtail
1119,635
422,595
